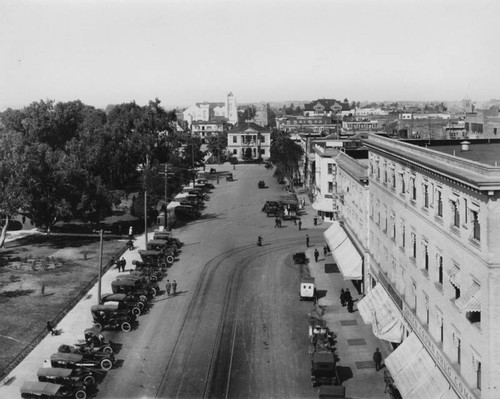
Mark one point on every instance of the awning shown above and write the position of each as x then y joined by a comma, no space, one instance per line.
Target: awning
323,204
455,277
470,301
347,258
378,309
173,205
415,373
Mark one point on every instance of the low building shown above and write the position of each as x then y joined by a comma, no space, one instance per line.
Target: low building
326,107
249,141
483,123
204,129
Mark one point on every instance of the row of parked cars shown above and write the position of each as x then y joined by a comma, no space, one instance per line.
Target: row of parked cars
75,370
192,199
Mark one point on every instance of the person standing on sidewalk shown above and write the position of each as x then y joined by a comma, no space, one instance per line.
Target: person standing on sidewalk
307,240
300,224
316,255
342,297
315,219
377,358
174,287
168,287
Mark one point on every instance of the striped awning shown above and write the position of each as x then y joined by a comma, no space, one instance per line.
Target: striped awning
344,253
455,277
470,301
323,204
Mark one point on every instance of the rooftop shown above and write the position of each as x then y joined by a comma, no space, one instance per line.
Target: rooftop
487,153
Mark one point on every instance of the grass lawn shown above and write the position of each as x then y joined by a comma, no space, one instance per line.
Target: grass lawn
39,277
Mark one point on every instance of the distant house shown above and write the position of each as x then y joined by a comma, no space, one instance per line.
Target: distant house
249,138
207,111
324,106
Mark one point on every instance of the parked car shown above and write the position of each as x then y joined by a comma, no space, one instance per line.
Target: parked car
73,361
162,235
47,390
132,288
125,302
262,184
61,376
212,171
142,281
85,349
110,317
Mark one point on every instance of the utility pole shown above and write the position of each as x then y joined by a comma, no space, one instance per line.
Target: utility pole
165,221
146,207
100,268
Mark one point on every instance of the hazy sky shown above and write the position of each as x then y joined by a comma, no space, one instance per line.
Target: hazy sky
184,51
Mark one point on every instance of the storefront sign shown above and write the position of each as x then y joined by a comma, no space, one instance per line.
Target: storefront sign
446,368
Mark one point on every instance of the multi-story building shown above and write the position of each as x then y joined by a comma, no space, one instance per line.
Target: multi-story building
483,123
206,111
314,124
204,129
434,266
249,140
360,124
328,107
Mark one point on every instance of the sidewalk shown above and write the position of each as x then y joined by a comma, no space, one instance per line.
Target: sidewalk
72,326
355,340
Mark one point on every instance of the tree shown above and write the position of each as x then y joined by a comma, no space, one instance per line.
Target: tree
12,167
286,155
217,145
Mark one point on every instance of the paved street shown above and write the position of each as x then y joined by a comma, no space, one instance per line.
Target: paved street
236,328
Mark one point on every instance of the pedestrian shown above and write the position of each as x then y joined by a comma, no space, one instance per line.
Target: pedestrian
174,287
295,221
217,179
316,255
348,295
307,240
50,328
300,224
130,232
377,358
276,223
315,219
123,263
342,297
168,287
325,252
279,222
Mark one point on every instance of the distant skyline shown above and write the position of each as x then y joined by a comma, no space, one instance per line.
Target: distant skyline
185,51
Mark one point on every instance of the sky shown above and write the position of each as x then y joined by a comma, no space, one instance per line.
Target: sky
185,51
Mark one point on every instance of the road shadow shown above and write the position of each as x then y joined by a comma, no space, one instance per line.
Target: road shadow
345,373
118,363
321,293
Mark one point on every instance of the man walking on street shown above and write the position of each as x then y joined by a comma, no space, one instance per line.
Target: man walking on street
174,287
276,223
307,240
315,220
342,297
316,255
300,224
377,358
325,252
168,287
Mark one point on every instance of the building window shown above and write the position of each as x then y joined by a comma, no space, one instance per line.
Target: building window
235,139
426,195
330,168
403,184
403,235
385,174
426,256
235,152
426,305
440,268
330,187
441,329
393,177
393,226
413,245
439,203
413,188
378,170
459,351
478,375
455,210
476,230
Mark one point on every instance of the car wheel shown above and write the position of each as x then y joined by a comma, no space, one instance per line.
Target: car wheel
107,349
143,298
170,259
153,278
126,326
153,291
140,305
164,265
106,364
89,380
136,311
80,394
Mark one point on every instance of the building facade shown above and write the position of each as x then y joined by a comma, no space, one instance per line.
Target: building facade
249,141
204,129
207,111
434,228
483,123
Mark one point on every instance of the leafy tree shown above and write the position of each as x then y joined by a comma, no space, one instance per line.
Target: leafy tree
217,145
12,167
286,155
247,154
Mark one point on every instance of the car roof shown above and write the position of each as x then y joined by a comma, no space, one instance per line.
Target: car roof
149,252
108,306
113,297
158,242
54,372
42,388
67,357
125,282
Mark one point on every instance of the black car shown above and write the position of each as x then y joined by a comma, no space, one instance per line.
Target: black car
61,376
262,184
47,390
73,361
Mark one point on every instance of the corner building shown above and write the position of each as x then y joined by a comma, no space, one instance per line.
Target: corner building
434,246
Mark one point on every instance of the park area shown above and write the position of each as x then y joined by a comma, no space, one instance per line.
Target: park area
41,278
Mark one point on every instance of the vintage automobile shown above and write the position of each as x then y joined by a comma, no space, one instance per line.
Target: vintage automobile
110,317
187,212
300,257
47,390
281,180
167,252
72,361
131,288
84,349
94,336
166,235
61,376
212,171
143,280
125,303
262,184
148,271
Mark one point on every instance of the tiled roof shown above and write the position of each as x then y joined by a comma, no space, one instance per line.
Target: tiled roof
327,103
245,126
